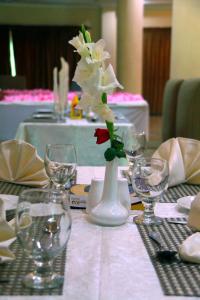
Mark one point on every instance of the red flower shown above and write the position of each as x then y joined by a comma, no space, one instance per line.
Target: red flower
102,135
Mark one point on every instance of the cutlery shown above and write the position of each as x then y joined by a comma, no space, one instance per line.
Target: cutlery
163,254
183,222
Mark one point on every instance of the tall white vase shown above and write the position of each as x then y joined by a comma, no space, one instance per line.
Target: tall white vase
110,211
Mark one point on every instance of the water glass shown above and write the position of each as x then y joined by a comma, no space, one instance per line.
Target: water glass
134,146
43,226
60,164
150,180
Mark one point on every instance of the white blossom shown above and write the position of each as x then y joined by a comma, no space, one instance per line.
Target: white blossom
104,111
108,81
97,53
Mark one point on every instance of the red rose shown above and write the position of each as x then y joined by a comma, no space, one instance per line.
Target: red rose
102,135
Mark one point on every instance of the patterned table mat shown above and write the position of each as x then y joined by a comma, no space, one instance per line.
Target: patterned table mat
181,190
177,278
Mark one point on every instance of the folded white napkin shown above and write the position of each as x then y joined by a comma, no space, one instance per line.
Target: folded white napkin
194,214
21,164
61,86
183,156
7,236
189,250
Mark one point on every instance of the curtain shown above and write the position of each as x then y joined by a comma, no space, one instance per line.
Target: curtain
156,66
38,50
4,51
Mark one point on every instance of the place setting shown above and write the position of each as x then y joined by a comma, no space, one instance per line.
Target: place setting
98,231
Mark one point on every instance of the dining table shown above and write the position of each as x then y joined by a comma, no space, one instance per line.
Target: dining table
116,262
79,132
18,105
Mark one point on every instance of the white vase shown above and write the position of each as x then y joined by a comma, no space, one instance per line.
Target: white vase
109,211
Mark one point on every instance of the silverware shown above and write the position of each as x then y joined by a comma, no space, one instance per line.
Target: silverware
163,254
183,222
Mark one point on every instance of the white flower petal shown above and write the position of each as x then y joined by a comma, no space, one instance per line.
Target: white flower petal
104,111
109,81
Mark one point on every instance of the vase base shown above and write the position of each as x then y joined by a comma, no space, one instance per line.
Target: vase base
106,220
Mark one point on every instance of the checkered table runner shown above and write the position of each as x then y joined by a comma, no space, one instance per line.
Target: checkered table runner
181,190
177,278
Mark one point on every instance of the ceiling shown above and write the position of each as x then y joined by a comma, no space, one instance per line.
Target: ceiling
80,2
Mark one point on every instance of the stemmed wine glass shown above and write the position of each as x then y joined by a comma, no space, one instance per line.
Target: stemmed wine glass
43,226
60,163
134,147
150,180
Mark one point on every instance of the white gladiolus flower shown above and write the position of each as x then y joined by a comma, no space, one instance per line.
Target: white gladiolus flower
104,111
97,53
108,81
88,101
80,45
84,72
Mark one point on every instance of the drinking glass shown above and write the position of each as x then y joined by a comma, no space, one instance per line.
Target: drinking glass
60,164
134,146
43,226
150,180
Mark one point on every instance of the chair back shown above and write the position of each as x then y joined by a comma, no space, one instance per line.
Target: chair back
170,99
188,109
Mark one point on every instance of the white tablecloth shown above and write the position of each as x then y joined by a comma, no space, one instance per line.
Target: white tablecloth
11,114
77,132
108,263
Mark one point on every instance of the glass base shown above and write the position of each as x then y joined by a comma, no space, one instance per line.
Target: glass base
49,282
140,220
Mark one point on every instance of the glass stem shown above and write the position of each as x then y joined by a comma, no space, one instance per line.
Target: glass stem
43,269
148,210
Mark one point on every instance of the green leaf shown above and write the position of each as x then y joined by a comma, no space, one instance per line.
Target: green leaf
83,32
117,144
104,98
121,154
110,154
88,37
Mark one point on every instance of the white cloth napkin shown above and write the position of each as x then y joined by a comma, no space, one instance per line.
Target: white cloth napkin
189,250
7,236
61,87
21,164
183,156
194,214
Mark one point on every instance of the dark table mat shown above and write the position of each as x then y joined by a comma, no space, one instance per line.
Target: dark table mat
172,194
177,278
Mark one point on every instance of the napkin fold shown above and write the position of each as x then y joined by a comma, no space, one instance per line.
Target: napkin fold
194,213
189,250
7,236
183,156
21,164
61,86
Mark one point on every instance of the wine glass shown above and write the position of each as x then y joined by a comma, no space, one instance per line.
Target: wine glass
43,226
134,147
150,180
60,164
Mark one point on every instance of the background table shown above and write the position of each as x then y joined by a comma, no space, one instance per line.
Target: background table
77,132
108,262
17,106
